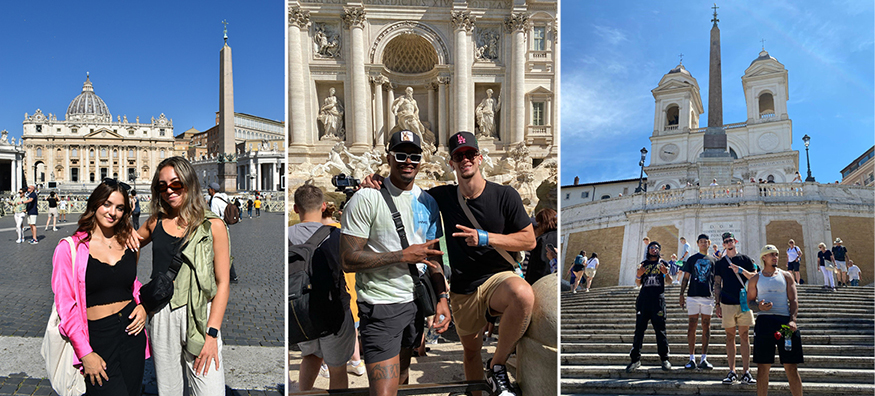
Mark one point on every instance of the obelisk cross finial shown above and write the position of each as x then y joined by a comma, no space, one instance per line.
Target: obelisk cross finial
682,58
715,20
764,44
225,22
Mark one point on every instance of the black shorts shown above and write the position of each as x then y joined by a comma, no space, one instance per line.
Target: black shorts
793,266
386,328
764,341
577,268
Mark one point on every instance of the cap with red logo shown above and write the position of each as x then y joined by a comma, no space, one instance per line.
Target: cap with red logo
462,139
404,137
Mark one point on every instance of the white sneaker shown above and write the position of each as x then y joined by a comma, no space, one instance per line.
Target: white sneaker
54,228
356,370
323,371
19,240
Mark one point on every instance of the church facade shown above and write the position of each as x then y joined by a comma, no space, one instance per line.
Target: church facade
87,146
359,71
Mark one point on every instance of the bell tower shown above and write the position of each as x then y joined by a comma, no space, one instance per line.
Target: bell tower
765,90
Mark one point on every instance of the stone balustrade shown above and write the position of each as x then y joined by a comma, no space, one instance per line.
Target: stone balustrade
78,206
603,210
671,127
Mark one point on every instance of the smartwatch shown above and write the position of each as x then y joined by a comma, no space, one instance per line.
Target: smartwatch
213,332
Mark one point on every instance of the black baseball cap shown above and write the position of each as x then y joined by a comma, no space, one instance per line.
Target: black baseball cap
701,237
401,138
462,139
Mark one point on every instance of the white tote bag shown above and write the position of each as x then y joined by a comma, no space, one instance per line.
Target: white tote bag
58,351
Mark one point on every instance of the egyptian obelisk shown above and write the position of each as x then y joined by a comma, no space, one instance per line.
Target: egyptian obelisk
228,157
715,161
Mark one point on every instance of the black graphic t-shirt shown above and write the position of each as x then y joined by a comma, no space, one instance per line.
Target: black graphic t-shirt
731,286
701,268
823,256
653,280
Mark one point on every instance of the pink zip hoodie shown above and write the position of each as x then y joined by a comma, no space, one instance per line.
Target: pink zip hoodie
69,291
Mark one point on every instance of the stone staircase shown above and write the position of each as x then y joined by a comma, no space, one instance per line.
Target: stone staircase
838,336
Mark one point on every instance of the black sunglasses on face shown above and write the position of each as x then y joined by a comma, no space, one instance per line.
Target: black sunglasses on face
114,182
175,185
469,154
728,240
402,157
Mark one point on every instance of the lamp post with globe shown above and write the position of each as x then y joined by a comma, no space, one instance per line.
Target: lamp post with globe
641,186
807,140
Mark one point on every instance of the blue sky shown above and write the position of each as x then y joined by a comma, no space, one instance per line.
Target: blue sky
145,58
614,53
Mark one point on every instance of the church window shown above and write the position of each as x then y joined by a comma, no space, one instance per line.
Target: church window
606,196
58,130
538,38
59,153
672,116
39,152
733,153
91,154
770,178
568,196
74,174
102,153
130,131
537,113
162,153
91,176
114,153
74,130
161,132
103,173
767,105
74,153
39,128
584,194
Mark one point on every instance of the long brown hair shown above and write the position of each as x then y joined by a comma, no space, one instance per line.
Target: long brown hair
546,219
101,193
192,210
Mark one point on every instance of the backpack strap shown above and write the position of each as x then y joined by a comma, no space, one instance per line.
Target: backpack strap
399,228
316,239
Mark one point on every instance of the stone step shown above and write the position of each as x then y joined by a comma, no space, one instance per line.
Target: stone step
678,324
776,374
714,349
823,330
717,338
680,357
681,387
611,308
671,317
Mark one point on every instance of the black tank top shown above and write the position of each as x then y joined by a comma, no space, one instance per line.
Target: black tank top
164,247
106,284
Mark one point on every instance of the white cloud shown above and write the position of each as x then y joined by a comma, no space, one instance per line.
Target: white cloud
612,35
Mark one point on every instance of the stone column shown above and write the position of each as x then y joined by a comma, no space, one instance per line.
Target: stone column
66,163
463,23
442,131
431,101
517,24
298,135
354,20
379,115
390,117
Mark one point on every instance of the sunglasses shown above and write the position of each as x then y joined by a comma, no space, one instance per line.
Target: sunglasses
402,157
114,182
175,185
728,240
468,154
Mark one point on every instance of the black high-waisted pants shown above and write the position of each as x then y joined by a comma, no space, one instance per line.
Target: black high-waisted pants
125,355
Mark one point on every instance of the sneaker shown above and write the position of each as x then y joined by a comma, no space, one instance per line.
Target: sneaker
748,379
730,379
54,228
632,366
498,380
704,365
666,365
574,291
691,365
323,371
33,242
356,370
19,240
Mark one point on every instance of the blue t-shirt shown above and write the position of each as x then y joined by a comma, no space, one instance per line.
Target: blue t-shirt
32,205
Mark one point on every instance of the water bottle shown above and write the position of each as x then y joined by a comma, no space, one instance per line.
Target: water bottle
788,344
519,272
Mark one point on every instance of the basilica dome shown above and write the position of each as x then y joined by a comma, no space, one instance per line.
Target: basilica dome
88,106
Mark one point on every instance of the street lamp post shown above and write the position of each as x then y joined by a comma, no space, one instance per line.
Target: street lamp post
641,186
807,140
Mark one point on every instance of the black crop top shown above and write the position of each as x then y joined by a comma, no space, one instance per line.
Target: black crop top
107,284
164,248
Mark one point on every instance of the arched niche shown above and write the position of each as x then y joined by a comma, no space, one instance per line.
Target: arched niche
391,31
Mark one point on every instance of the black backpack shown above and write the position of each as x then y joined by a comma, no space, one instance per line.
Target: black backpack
316,287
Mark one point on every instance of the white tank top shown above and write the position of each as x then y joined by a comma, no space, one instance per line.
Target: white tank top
773,289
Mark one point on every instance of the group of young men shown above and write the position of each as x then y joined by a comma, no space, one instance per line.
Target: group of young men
484,223
733,287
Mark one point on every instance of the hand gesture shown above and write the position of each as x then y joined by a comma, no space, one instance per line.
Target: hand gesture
372,181
209,353
765,305
470,235
133,241
419,253
442,310
138,320
95,368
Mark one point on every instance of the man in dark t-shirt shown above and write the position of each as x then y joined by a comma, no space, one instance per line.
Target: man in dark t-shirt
840,254
483,280
650,306
732,270
698,273
31,199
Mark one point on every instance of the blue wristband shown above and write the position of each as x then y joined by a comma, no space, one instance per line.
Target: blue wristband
740,270
482,238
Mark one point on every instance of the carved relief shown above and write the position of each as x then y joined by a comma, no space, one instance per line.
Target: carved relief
768,141
326,40
518,21
462,20
299,17
353,17
488,44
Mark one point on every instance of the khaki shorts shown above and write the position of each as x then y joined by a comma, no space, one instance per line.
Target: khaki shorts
732,316
590,272
31,220
469,310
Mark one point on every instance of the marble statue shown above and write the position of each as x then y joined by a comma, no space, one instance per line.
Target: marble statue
331,116
326,47
406,110
485,114
488,48
4,135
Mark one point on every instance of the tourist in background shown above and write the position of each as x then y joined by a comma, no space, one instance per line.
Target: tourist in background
545,234
592,265
840,254
20,210
854,273
577,270
827,264
53,211
794,255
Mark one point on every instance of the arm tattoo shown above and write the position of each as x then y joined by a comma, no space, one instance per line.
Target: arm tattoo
354,257
684,283
387,371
